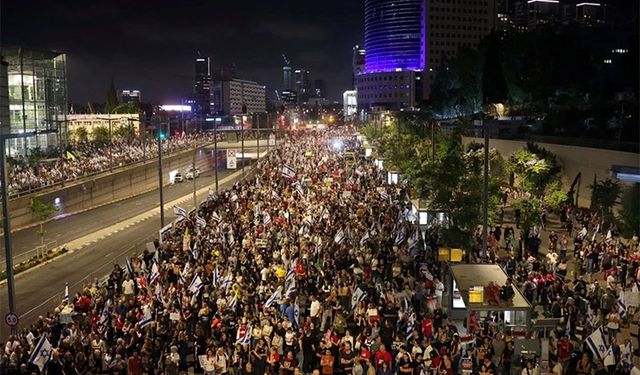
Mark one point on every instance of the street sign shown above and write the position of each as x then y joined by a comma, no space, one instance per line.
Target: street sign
11,319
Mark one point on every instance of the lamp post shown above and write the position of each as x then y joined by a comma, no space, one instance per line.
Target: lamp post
160,137
215,152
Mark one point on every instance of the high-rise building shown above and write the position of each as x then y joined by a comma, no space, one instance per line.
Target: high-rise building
357,64
202,85
542,12
303,84
37,96
319,88
128,96
287,78
394,40
237,96
350,104
589,13
451,25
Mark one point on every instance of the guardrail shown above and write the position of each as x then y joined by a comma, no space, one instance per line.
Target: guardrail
37,252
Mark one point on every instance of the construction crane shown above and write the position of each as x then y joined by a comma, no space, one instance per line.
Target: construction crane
287,62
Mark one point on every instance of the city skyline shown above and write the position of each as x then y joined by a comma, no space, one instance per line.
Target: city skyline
166,39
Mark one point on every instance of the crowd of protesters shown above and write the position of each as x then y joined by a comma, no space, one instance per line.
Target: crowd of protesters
88,158
314,265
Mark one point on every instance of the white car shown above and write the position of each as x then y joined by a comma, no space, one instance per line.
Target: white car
177,178
192,173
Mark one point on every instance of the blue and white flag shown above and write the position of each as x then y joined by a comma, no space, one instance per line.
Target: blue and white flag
411,324
609,358
274,297
288,172
622,307
216,217
244,338
299,189
202,223
179,211
357,296
155,273
626,353
106,314
291,290
400,237
182,278
196,285
212,195
325,214
147,316
215,276
364,238
609,236
233,302
275,195
384,196
65,299
194,251
308,220
597,342
339,237
41,353
266,220
129,267
227,281
296,314
291,274
595,232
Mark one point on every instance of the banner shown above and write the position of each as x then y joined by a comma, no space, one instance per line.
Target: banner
231,159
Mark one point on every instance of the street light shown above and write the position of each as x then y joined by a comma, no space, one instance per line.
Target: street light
160,138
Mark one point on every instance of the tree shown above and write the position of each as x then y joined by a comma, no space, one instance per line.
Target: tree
630,210
112,98
43,212
129,107
604,196
81,134
123,132
100,135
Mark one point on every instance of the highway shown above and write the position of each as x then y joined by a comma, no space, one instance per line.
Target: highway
98,238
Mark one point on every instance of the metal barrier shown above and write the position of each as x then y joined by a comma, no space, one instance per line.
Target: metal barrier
38,252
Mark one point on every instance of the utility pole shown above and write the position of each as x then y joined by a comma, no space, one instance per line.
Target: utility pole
6,225
160,175
215,153
243,156
193,174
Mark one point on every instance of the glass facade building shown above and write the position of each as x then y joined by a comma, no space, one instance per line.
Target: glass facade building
37,94
394,34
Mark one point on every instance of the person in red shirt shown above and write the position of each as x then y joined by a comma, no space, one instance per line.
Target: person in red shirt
565,348
383,355
134,364
427,327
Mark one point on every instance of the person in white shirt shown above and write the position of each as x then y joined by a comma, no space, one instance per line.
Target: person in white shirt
128,287
439,290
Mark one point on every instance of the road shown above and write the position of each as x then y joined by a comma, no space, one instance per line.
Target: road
98,238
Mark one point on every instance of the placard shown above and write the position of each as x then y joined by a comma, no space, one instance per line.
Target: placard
456,255
231,159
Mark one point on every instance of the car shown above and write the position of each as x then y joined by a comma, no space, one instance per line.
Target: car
192,173
178,178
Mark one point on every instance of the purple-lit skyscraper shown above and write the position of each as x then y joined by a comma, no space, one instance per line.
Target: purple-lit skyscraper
394,35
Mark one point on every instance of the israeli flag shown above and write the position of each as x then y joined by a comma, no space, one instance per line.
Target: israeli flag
244,338
288,172
411,324
216,217
129,267
183,274
364,238
202,223
155,273
597,343
400,237
215,276
291,290
106,314
595,232
296,314
622,307
266,220
274,297
308,220
583,232
626,353
609,236
232,239
275,195
179,211
357,296
147,316
339,237
41,354
65,299
194,251
290,275
196,285
609,358
212,195
325,214
299,189
227,281
233,303
384,196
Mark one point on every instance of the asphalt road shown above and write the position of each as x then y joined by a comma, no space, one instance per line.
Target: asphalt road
40,290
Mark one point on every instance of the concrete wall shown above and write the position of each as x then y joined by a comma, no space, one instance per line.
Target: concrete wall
105,188
589,161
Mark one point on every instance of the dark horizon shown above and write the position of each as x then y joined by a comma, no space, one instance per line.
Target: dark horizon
150,46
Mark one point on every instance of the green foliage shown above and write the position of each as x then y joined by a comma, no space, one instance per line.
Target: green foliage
80,134
630,210
604,196
530,211
100,135
555,199
129,107
531,172
43,211
123,132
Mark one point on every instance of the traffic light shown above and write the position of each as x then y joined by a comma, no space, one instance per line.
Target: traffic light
162,135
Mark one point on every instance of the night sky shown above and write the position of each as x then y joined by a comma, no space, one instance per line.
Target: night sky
150,44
